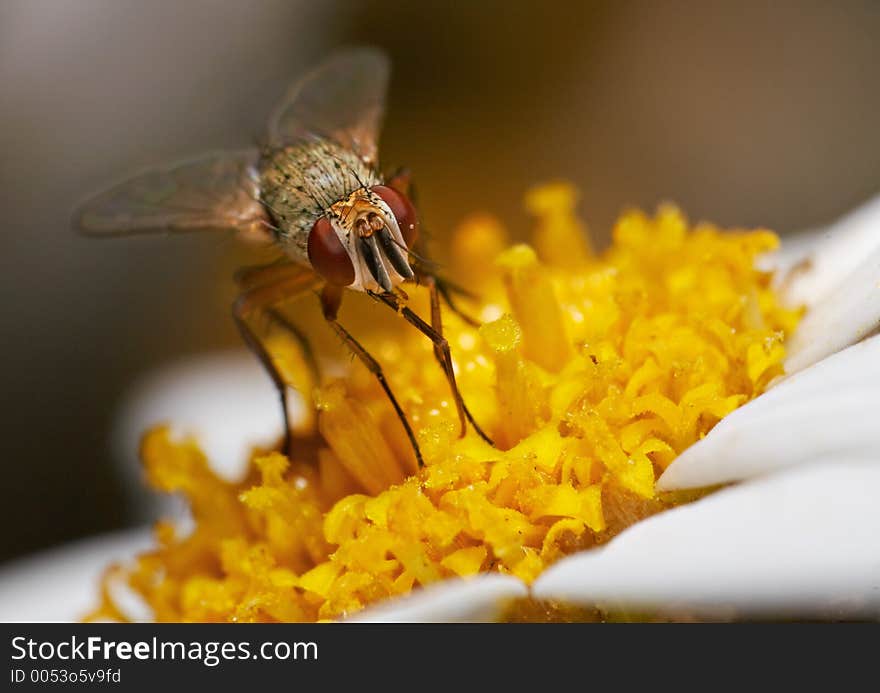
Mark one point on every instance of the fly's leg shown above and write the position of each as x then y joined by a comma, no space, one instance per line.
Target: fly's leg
401,181
330,300
254,343
446,289
290,283
442,352
441,348
280,319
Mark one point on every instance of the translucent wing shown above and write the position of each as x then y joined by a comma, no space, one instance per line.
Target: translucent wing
343,100
217,191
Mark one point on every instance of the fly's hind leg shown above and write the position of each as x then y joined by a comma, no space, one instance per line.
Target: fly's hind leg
282,282
330,301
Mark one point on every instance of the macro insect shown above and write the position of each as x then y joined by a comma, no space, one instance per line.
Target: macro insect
315,191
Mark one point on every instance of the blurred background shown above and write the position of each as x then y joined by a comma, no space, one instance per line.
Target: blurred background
744,113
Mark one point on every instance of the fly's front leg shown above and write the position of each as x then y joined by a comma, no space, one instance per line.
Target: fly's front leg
446,289
426,273
330,301
441,349
294,281
444,353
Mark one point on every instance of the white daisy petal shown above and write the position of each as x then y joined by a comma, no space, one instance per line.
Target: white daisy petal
845,284
791,263
825,411
801,543
62,584
848,314
226,400
813,263
477,599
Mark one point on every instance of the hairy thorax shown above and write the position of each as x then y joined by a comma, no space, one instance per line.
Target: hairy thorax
301,183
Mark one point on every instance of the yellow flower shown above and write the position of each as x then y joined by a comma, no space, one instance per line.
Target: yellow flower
592,373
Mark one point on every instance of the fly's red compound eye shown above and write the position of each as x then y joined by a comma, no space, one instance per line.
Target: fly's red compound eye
403,211
328,256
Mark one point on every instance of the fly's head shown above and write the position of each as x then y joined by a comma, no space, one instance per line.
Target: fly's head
363,242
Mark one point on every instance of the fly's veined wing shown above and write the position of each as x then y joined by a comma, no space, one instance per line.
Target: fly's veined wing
218,191
343,99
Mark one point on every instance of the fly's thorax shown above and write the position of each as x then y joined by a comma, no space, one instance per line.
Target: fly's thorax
301,183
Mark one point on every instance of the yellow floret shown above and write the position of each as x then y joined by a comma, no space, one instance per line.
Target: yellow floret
590,372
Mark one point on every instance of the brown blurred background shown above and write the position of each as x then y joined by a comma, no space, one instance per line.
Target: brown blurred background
745,113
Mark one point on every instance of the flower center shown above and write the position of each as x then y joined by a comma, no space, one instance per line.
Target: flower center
590,372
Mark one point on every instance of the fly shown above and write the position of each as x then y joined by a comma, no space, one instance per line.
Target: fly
316,191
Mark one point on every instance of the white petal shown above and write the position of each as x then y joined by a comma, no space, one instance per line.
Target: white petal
477,599
846,287
224,399
794,253
825,411
62,584
823,259
848,314
800,543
